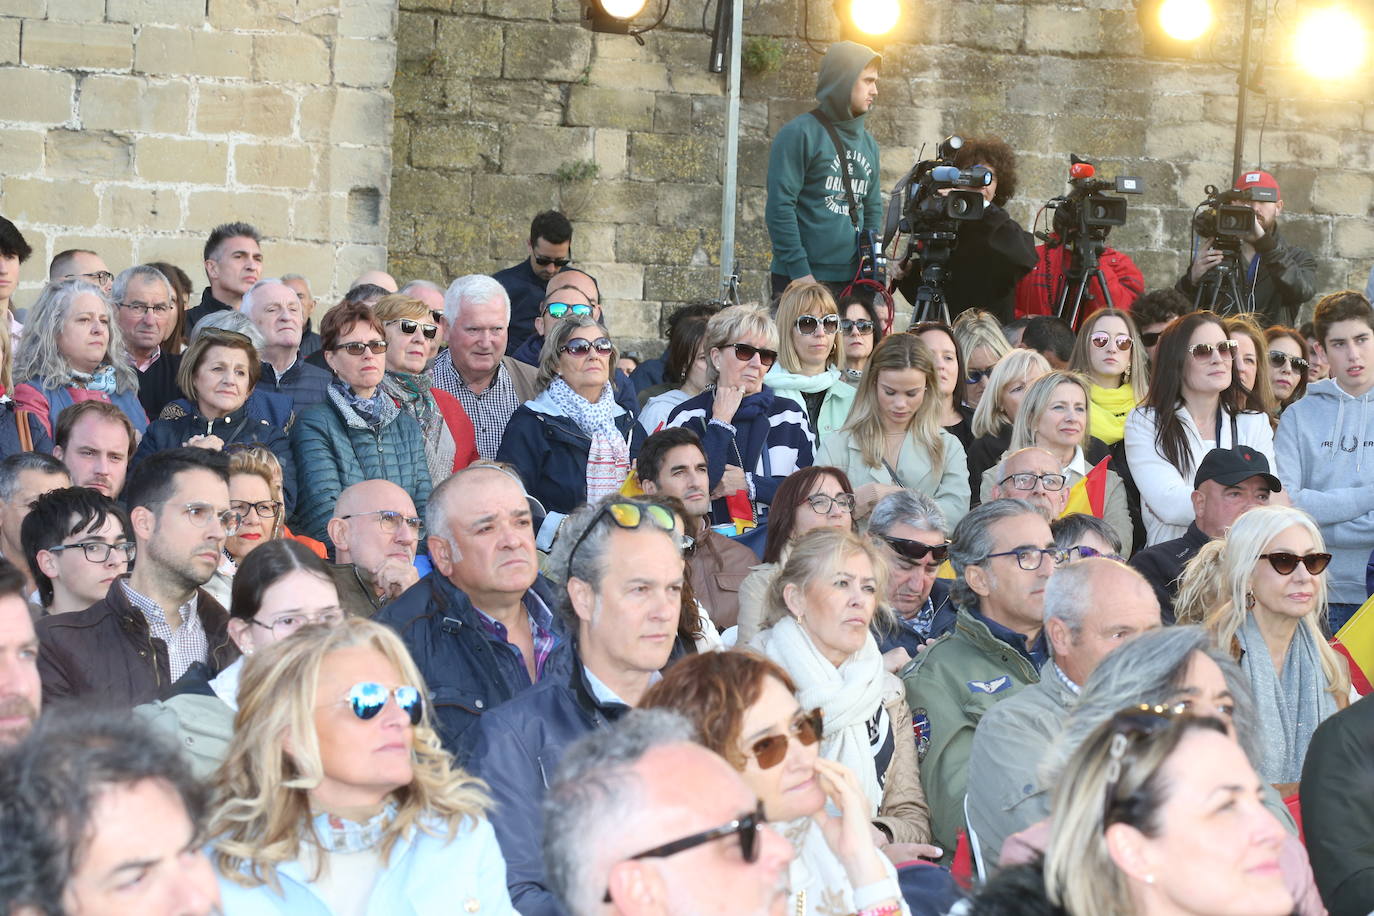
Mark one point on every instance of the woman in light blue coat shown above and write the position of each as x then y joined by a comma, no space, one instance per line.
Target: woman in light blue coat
811,357
336,798
893,439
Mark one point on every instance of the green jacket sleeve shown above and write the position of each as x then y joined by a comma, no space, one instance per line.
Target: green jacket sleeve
944,767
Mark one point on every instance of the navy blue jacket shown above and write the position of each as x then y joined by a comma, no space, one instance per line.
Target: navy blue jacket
304,383
526,290
263,418
467,671
516,749
899,637
9,432
649,373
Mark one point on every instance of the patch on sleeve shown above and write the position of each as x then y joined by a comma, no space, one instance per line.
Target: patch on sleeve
920,724
996,685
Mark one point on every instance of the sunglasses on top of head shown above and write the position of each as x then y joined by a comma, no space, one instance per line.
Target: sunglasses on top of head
409,326
810,324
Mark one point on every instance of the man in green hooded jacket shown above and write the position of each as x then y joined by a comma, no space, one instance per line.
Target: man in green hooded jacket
808,217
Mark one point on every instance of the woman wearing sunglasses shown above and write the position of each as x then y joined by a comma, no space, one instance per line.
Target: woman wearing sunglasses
412,339
860,331
1109,353
818,628
753,438
1194,405
218,375
893,439
811,356
1269,613
745,708
1287,363
357,432
335,795
983,344
992,422
283,587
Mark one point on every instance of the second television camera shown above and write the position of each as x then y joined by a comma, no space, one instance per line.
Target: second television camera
1227,217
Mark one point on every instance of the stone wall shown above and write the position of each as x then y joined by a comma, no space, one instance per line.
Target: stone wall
132,127
494,98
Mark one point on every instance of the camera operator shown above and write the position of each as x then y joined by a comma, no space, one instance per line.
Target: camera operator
1038,292
992,253
1275,278
808,212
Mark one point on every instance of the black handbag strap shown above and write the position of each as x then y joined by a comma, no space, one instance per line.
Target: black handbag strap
844,164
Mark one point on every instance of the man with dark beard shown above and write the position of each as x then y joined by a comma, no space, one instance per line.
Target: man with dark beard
20,691
1277,278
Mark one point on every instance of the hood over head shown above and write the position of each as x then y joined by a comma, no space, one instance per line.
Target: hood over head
840,69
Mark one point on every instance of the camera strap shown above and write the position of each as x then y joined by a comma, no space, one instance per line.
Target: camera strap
844,164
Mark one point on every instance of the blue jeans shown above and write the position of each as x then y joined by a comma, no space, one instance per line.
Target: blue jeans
1338,614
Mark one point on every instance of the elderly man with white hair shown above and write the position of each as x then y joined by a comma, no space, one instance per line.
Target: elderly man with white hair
276,310
475,369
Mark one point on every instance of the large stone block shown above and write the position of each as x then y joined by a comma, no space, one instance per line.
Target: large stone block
274,166
342,167
39,96
546,52
665,245
140,209
177,50
33,200
160,12
534,150
227,108
610,73
1346,193
9,41
290,59
75,10
91,155
627,109
680,284
257,15
684,206
620,202
510,102
413,190
1185,141
618,281
366,18
451,236
1353,238
611,152
77,46
364,62
506,204
136,103
182,250
115,249
455,145
191,161
656,157
346,116
468,47
269,212
540,10
21,150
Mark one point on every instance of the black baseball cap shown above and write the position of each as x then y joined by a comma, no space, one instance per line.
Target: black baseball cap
1229,466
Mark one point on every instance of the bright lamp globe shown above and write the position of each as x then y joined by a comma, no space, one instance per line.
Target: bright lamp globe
1330,43
623,9
1185,20
874,17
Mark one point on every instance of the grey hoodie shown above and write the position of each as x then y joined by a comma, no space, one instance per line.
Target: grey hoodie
1324,452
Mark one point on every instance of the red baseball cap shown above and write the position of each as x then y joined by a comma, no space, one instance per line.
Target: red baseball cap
1257,180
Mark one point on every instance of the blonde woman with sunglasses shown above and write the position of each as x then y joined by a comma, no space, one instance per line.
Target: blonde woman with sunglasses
1109,353
811,356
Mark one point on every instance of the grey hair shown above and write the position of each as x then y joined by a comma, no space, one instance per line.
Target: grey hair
590,563
907,507
1070,529
19,462
422,284
437,509
596,794
285,277
234,321
249,300
972,542
1071,592
38,360
554,340
140,271
1148,669
469,289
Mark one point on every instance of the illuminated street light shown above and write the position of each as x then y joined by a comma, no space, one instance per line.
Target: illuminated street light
613,15
1330,43
1185,20
869,17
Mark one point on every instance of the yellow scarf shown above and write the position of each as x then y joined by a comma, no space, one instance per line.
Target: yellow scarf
1108,409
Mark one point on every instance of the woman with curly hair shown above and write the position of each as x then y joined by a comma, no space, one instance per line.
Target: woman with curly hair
335,795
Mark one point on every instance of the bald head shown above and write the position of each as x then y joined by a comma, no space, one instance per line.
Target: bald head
369,524
1093,607
580,280
1035,462
375,278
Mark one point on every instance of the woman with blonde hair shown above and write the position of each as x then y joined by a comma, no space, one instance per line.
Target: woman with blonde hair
984,345
1269,614
893,439
1007,386
1251,353
811,356
336,796
1108,351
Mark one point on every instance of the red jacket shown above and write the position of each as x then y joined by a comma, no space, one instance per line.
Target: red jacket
460,426
1038,291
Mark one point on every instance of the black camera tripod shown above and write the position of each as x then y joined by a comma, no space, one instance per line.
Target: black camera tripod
1085,265
929,304
1221,286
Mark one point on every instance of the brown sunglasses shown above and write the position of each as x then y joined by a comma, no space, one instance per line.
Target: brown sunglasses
807,728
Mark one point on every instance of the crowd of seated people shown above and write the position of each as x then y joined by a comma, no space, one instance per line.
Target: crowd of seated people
432,601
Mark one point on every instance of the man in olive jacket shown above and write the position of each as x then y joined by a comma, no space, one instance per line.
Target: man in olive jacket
1003,555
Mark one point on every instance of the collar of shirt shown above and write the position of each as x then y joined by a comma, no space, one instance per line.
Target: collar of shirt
1079,464
152,610
1065,679
143,365
605,695
1037,653
542,633
920,622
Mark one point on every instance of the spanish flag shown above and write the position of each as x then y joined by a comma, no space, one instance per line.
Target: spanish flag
1089,495
1355,641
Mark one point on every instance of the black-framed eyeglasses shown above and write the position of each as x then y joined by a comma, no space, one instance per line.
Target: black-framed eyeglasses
628,515
746,826
974,376
201,513
99,551
917,550
287,624
1285,563
1202,352
98,277
806,729
581,346
563,309
1027,481
544,260
1150,338
356,348
409,326
1032,558
141,309
391,520
857,325
824,503
1277,358
745,352
1084,552
810,324
269,508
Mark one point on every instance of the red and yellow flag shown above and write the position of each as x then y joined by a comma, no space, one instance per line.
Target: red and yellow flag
1089,495
1355,641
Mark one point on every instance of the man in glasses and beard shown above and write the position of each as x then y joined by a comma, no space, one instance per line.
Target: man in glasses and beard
550,250
914,531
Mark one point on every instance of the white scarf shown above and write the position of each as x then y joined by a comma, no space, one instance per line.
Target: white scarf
608,458
848,696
